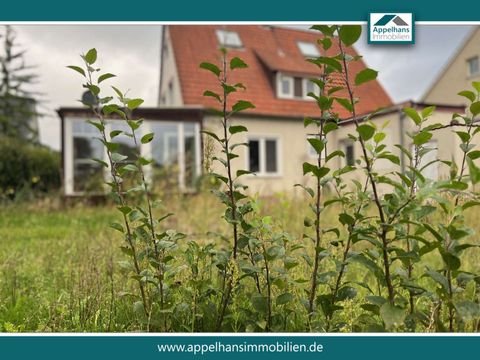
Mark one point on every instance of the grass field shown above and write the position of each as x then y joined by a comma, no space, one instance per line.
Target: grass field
61,266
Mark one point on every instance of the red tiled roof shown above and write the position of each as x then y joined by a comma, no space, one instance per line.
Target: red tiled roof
266,50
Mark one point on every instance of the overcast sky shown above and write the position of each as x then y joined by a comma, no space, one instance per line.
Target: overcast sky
133,53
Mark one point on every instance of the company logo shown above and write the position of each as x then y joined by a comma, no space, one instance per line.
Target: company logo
390,28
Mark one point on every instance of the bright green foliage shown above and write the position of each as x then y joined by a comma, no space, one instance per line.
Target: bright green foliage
147,243
370,251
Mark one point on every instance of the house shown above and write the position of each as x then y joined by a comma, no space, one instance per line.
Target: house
458,73
277,82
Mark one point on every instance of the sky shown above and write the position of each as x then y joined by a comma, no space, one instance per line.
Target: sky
132,52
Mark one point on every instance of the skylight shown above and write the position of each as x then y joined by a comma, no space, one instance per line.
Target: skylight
308,49
229,39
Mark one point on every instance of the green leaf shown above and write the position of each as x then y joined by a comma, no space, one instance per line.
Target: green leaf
317,144
116,157
475,108
91,56
379,137
118,92
115,133
349,34
474,154
366,131
345,103
94,89
413,114
346,219
307,189
108,109
134,103
335,64
284,298
117,227
77,69
237,63
464,136
100,126
236,129
242,105
470,95
260,303
476,85
210,67
392,316
334,154
101,162
390,157
212,135
346,293
105,77
451,261
147,138
467,310
473,170
428,111
129,167
326,43
438,278
212,94
315,170
365,76
422,137
134,124
324,29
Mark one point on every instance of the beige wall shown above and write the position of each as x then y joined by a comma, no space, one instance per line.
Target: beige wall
454,77
293,148
170,74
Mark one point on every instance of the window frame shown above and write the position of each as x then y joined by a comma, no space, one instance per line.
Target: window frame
223,36
145,151
306,81
469,68
262,163
280,93
344,143
308,54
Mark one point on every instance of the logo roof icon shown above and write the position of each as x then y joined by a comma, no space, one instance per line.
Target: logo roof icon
385,19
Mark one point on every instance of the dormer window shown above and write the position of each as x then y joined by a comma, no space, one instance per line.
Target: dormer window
294,87
229,39
285,86
308,49
473,66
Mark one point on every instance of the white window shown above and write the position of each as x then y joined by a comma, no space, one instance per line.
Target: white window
87,174
308,49
290,87
310,87
284,86
229,39
263,156
473,66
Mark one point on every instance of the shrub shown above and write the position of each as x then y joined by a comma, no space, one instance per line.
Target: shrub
25,167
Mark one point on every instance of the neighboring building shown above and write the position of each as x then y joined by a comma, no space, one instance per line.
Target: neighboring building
277,81
458,74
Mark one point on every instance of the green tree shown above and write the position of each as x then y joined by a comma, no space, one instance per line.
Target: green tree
18,112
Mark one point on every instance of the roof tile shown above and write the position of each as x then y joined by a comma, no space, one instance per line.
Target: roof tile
266,50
